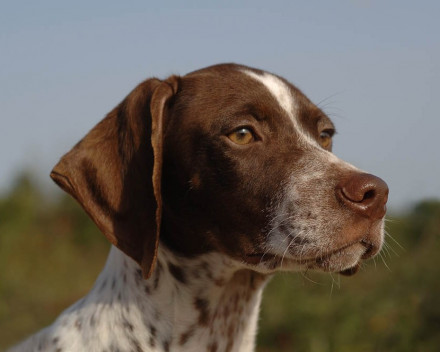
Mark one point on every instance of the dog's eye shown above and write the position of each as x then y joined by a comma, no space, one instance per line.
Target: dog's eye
241,136
325,138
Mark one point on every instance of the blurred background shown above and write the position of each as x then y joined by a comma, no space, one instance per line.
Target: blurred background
372,66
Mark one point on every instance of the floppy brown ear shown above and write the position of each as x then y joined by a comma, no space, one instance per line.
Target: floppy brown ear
114,172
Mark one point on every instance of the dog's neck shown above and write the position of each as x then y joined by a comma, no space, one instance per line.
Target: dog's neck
207,303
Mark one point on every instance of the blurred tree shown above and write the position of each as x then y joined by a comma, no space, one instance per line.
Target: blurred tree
424,223
42,241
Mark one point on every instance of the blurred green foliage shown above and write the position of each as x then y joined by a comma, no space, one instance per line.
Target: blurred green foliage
51,253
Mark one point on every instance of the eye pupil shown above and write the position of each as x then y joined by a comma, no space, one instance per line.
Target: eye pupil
242,133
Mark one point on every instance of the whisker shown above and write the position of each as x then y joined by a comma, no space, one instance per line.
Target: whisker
327,98
384,262
394,240
334,282
304,275
388,248
285,251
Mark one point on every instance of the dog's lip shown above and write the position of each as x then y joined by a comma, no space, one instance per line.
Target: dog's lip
260,257
350,271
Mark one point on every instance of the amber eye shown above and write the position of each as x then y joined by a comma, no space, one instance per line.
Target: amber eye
241,136
325,138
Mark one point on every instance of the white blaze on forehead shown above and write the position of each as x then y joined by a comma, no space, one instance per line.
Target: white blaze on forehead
277,88
281,92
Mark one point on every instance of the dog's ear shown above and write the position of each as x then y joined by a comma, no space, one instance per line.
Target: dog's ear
114,172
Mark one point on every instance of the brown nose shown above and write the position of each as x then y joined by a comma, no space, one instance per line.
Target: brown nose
365,194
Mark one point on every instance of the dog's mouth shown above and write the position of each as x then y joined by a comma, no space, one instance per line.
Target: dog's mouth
344,260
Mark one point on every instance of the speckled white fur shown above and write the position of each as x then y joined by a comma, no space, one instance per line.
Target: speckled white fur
124,312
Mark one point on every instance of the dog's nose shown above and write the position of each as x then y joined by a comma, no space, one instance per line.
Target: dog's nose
365,194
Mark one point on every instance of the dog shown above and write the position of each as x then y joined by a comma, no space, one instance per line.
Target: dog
206,185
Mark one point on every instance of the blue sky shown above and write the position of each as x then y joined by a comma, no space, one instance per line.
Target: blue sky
375,65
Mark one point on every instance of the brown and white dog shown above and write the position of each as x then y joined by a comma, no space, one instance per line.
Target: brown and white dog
206,185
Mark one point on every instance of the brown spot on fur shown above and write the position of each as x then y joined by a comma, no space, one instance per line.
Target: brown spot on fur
157,275
128,326
186,335
156,282
229,345
136,345
226,311
220,282
196,273
138,277
236,299
152,341
104,283
166,346
202,306
213,346
231,330
177,273
195,181
92,320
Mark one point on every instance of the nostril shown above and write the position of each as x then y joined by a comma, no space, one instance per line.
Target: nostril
369,194
357,194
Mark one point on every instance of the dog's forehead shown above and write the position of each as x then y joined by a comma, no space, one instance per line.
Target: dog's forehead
290,99
229,86
245,82
277,88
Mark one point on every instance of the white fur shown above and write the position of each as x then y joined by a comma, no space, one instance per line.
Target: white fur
103,322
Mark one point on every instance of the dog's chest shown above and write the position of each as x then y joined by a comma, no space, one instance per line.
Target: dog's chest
187,307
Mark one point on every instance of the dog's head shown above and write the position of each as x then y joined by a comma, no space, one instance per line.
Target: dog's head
227,159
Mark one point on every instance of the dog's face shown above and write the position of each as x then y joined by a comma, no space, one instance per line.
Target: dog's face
241,164
248,171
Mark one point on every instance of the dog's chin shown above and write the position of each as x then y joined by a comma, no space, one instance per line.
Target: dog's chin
345,261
